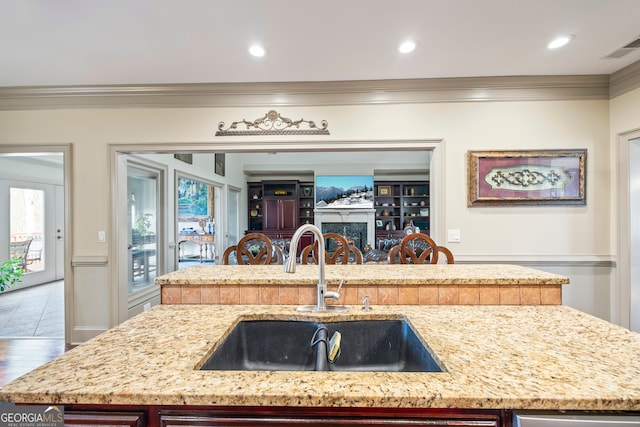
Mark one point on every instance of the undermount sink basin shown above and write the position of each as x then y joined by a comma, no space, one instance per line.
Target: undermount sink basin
366,346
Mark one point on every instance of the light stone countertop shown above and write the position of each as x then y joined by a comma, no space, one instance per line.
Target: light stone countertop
514,357
364,274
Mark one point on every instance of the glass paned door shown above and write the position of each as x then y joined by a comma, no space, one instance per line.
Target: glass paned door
31,230
142,223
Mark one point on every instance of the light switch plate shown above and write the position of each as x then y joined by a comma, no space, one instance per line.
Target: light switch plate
102,237
453,236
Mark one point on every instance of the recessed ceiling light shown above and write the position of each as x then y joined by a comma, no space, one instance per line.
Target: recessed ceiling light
560,41
407,46
257,50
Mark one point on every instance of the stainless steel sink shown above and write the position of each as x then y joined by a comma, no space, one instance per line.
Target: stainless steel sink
366,346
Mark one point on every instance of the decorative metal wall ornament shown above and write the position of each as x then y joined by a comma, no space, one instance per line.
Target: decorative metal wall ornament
273,124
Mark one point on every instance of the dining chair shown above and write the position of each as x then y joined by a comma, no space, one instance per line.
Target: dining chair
278,255
355,255
448,255
252,249
336,257
375,256
415,248
20,250
393,256
229,256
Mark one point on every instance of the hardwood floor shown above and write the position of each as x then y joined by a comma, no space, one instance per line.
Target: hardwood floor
21,355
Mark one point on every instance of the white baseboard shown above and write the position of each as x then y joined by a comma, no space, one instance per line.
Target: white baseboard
82,334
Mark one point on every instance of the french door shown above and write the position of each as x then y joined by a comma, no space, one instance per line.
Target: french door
141,234
32,222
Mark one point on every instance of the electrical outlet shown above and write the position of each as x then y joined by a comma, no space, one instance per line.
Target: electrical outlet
147,306
453,236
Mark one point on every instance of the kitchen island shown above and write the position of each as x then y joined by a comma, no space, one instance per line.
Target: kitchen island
496,359
469,284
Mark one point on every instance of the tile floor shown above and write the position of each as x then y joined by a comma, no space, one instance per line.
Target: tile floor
37,311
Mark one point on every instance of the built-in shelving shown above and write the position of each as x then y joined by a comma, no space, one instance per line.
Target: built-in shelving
305,203
255,205
397,203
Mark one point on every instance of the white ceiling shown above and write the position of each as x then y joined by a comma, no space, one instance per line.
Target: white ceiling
91,42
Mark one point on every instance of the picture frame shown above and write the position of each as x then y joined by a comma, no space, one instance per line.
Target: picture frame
187,158
379,223
384,190
219,164
526,177
344,192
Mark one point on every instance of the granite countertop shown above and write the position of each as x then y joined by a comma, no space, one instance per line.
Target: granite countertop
373,274
515,357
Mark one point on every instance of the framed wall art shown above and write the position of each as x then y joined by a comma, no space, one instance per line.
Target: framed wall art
219,164
538,177
187,158
384,190
344,191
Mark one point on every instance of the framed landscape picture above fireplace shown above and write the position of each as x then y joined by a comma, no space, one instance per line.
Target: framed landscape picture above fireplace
344,192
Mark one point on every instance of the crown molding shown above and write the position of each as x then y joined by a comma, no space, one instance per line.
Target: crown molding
476,89
625,80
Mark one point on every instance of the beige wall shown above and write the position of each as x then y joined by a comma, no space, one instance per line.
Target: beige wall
572,231
539,235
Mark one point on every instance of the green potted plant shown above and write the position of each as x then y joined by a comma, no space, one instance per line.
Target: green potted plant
10,273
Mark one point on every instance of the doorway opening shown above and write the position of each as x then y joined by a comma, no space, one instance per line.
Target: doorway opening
197,220
33,219
231,223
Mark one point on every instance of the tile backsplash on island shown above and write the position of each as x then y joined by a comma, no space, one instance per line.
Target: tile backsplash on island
384,285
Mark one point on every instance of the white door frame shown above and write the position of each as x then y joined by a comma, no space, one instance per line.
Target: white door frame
626,293
66,151
122,302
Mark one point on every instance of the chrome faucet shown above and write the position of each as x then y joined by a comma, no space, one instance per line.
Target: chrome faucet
365,304
290,267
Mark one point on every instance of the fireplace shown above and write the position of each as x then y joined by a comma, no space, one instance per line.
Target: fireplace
355,232
355,224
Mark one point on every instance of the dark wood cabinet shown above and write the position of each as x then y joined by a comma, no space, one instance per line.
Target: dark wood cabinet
329,418
104,418
183,416
280,215
278,208
292,416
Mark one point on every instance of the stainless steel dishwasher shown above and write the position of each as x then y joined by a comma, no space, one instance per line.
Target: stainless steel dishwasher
574,419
